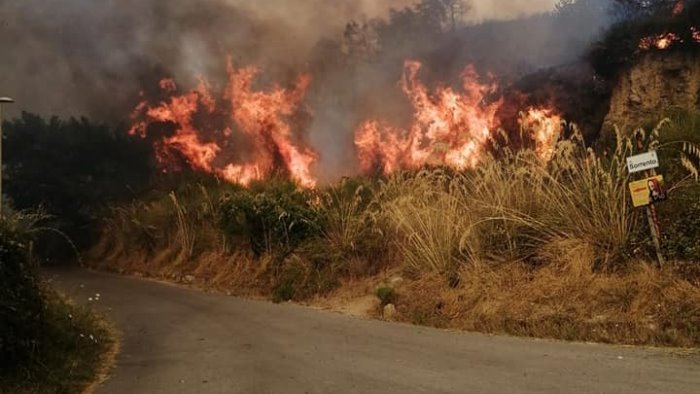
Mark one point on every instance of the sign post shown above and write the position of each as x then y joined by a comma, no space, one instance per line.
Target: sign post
647,192
654,225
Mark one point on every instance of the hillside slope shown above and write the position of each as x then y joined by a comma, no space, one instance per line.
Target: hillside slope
656,84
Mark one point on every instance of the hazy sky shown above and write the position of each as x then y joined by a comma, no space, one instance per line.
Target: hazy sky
330,14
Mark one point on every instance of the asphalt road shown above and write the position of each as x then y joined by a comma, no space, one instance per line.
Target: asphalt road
178,340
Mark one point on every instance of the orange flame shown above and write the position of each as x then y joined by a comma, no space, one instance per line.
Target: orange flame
262,117
695,33
448,127
660,41
546,129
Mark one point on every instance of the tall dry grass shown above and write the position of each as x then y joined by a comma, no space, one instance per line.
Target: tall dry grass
167,230
517,206
542,248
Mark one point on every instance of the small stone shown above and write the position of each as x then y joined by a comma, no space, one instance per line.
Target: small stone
389,312
189,279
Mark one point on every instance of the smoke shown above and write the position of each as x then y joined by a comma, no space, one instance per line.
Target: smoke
487,9
95,57
92,57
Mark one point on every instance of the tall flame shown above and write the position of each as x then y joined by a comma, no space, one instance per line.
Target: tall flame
247,134
261,117
546,128
448,127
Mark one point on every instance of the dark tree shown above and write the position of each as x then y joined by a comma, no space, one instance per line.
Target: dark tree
73,169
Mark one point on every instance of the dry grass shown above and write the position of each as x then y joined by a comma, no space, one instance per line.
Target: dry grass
565,300
527,247
512,208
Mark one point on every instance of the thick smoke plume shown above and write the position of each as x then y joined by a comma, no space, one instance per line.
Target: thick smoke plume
91,57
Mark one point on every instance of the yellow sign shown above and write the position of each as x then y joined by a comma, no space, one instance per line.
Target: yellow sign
648,191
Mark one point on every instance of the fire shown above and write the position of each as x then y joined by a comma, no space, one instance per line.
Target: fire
244,134
546,128
666,40
660,41
695,33
260,120
449,127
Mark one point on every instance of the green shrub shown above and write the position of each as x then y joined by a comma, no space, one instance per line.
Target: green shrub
679,216
47,345
386,295
284,292
21,305
72,168
681,239
275,217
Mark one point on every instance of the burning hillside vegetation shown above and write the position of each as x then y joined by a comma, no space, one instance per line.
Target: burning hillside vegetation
241,136
247,134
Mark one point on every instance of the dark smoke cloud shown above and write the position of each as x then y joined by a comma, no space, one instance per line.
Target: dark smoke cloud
93,56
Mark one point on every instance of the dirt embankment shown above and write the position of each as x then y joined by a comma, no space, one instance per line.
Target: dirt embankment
658,83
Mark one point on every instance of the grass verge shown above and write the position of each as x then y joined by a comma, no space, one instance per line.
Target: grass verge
73,353
48,345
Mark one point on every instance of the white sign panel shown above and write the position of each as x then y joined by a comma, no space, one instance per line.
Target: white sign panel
643,162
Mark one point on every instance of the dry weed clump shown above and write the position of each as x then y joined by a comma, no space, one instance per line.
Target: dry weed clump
508,209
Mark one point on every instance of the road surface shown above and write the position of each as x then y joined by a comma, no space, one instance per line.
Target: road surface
178,340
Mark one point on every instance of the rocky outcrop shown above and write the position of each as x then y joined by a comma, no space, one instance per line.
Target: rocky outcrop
657,84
